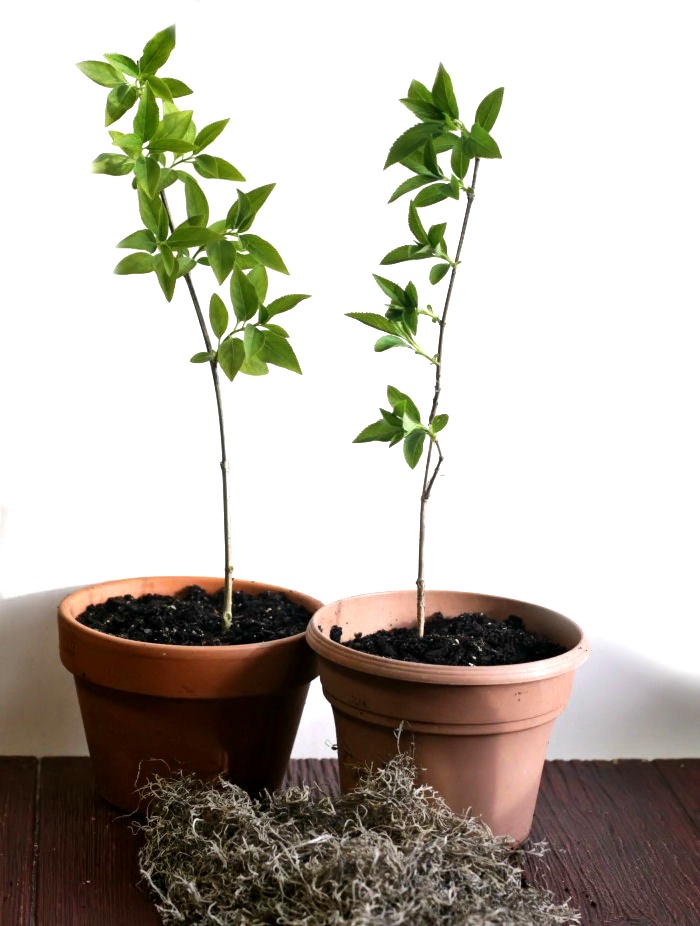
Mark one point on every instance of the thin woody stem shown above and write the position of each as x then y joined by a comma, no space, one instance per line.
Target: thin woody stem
227,615
428,477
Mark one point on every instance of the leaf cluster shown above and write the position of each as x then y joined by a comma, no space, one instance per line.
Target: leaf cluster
164,149
438,151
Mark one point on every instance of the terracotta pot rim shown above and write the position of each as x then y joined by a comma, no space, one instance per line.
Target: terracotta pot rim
424,673
181,649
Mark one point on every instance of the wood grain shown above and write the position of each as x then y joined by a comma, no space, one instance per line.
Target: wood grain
18,778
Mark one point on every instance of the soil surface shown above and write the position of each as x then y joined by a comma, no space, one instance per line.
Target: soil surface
193,618
466,640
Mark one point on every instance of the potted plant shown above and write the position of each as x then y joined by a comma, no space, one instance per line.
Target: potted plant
479,728
220,690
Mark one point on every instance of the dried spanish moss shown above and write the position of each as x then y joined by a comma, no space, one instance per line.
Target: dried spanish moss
388,853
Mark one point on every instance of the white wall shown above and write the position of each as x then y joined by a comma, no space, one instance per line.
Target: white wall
571,369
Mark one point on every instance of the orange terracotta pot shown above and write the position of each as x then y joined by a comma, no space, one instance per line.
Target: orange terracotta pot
211,710
479,733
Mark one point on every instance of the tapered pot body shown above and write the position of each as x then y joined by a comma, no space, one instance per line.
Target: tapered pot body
479,734
209,710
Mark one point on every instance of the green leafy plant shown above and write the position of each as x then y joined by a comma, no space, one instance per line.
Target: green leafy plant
424,149
163,150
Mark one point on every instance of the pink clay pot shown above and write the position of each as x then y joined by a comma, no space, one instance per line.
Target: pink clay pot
480,734
211,710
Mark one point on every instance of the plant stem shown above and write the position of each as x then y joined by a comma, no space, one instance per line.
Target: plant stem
227,616
428,477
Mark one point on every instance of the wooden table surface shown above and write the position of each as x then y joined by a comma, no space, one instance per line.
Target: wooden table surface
623,840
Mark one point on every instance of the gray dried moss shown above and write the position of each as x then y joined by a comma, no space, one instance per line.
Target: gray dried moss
388,853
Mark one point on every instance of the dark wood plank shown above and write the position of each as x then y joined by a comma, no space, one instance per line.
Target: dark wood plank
621,844
683,777
18,777
321,772
87,868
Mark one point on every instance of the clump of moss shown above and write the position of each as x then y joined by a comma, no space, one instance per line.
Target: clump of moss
388,853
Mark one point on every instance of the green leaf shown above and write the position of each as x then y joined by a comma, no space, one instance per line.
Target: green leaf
436,234
141,240
157,51
410,140
125,64
195,200
242,213
424,110
253,341
413,183
218,316
168,259
159,88
489,108
443,94
222,257
380,431
483,145
116,165
406,252
174,125
278,351
263,252
413,447
258,277
254,366
243,296
402,404
176,87
461,156
186,236
185,264
437,272
135,263
433,194
388,341
147,115
216,168
209,133
169,143
152,213
203,356
438,423
276,329
415,224
230,356
392,290
130,143
418,91
120,101
166,280
103,74
284,304
373,320
147,173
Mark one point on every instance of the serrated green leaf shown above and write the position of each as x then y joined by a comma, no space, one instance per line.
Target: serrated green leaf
415,224
443,94
135,263
258,277
124,63
388,341
378,431
433,194
413,183
119,101
116,165
216,168
406,252
489,108
243,296
436,233
373,320
438,423
222,257
264,252
411,295
391,289
103,74
424,110
284,304
230,356
410,140
483,145
437,272
278,351
203,356
413,446
218,316
418,91
209,133
157,51
141,240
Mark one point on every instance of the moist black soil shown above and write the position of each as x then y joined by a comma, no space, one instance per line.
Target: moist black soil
466,640
193,618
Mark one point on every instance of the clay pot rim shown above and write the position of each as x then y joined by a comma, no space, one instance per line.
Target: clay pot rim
183,650
424,673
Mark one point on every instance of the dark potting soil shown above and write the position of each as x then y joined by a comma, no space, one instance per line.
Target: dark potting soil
466,640
193,618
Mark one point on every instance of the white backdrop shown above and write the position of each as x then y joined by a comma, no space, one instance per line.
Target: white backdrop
571,473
